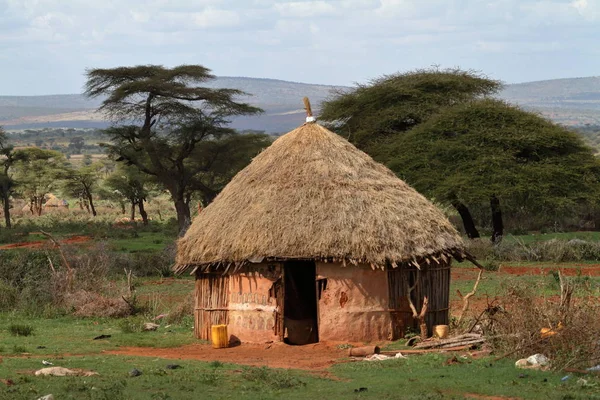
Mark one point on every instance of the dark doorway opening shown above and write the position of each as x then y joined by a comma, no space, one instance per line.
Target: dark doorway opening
300,307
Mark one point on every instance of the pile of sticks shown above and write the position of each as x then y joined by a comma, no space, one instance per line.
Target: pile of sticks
468,339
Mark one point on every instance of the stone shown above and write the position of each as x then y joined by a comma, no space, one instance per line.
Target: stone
150,326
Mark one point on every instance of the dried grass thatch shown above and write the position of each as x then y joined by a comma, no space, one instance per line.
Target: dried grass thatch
54,201
313,195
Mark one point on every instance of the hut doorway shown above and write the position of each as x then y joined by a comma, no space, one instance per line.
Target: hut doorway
300,306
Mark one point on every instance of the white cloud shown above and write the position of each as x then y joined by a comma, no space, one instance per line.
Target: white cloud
211,18
580,5
348,40
304,9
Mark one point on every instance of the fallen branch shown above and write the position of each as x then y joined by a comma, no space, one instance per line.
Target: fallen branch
519,348
468,338
425,351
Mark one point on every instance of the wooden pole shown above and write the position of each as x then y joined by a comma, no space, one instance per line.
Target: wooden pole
307,107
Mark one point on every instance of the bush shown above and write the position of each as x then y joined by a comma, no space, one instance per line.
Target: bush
554,250
9,296
20,330
131,325
273,378
573,321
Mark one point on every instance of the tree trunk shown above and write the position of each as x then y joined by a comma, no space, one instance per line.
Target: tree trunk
91,201
39,202
6,204
183,215
497,224
467,219
143,212
132,210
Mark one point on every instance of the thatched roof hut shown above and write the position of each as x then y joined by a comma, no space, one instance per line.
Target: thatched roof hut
315,236
53,201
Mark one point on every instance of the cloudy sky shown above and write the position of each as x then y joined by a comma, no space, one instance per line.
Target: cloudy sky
46,45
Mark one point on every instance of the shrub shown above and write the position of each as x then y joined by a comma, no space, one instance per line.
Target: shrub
131,325
554,250
182,310
19,349
20,330
210,377
574,321
9,295
275,379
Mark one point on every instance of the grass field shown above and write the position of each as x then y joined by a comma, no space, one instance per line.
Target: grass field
418,377
68,341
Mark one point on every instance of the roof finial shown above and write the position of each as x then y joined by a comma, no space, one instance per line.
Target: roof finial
309,115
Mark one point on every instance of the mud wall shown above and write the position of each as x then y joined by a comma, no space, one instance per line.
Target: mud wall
354,304
251,305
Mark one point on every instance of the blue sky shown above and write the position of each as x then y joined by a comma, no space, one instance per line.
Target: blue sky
46,45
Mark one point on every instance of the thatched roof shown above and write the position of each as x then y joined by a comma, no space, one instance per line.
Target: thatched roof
313,195
54,201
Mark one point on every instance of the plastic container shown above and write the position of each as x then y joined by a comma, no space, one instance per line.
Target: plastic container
219,336
441,331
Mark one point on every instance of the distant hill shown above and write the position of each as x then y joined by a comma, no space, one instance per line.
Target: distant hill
281,100
574,101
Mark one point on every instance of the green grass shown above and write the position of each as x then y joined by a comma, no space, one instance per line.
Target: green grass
176,288
142,242
75,335
419,377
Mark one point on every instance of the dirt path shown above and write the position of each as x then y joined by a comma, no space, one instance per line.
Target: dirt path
42,243
275,355
584,269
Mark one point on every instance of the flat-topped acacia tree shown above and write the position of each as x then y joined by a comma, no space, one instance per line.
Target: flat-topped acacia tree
160,117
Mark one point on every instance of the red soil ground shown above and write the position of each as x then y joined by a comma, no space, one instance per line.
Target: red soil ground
43,243
470,274
318,356
585,269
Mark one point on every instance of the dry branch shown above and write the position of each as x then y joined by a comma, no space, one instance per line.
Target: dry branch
416,315
468,296
425,351
64,258
461,340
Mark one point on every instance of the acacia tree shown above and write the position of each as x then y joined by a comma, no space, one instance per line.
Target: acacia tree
372,114
37,172
128,183
218,160
6,181
488,151
172,114
81,183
